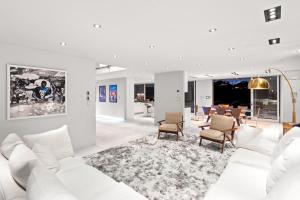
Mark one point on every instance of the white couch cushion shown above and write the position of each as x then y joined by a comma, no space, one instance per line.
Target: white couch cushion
287,187
257,139
1,193
285,141
9,144
71,162
287,160
46,157
251,158
85,181
58,140
120,192
44,185
20,163
11,190
239,182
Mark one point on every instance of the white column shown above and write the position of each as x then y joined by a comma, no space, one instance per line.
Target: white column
169,93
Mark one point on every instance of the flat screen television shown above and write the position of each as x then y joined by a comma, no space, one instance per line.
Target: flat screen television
234,92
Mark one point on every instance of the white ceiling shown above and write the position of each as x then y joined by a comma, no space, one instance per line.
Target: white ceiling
176,27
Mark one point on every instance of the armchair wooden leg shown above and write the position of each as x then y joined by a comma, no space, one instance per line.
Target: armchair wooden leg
181,132
177,135
238,121
222,150
158,134
200,143
208,118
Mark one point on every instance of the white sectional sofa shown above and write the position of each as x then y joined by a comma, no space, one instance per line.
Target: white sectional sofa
72,180
255,163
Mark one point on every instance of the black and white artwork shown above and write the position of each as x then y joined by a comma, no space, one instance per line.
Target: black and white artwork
35,92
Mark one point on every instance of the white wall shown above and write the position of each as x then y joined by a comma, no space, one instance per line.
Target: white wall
204,92
112,109
286,101
81,78
129,108
124,108
167,98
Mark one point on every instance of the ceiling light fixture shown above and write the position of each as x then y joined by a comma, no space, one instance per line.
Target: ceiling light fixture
274,41
97,26
102,68
180,57
115,56
231,49
212,30
208,75
272,14
298,51
63,44
235,73
242,58
152,46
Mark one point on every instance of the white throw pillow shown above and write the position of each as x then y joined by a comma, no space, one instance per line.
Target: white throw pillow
57,140
285,141
20,164
44,185
288,159
257,139
287,187
2,197
46,157
9,144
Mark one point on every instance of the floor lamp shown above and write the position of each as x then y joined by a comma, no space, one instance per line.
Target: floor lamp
262,84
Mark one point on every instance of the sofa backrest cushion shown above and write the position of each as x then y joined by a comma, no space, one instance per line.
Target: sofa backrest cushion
285,141
44,185
57,140
11,190
2,197
9,144
221,122
287,187
46,157
20,164
261,140
289,159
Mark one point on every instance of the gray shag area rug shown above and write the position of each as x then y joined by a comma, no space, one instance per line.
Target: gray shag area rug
164,169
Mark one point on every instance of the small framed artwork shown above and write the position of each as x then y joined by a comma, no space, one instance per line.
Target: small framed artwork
35,92
113,93
102,93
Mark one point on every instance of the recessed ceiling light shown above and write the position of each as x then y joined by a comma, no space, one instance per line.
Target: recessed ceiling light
212,30
102,65
180,57
146,63
115,56
242,58
234,73
97,26
298,51
273,14
152,46
231,49
63,44
274,41
268,71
